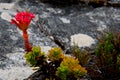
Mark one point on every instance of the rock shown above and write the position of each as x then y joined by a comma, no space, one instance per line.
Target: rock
12,63
15,73
116,1
64,20
82,40
61,2
61,23
14,67
6,1
6,16
7,5
89,23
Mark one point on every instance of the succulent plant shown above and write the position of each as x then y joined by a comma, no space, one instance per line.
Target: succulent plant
35,56
22,21
70,66
55,54
62,72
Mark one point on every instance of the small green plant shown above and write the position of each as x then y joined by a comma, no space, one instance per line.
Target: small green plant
108,54
108,49
62,72
56,65
55,54
70,67
105,50
83,56
35,56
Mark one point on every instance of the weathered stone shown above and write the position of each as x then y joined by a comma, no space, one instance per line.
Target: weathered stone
5,1
61,23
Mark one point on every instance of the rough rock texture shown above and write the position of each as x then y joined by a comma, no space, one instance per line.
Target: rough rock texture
5,0
62,23
115,1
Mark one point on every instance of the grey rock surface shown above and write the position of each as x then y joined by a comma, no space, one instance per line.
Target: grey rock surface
115,1
62,23
5,1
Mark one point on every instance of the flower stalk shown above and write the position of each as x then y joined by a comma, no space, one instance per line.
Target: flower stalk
22,21
26,41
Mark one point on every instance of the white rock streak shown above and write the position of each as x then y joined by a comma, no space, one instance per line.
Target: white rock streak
6,16
7,5
65,20
5,13
82,40
15,73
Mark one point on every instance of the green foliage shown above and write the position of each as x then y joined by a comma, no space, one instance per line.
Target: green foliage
82,55
62,72
55,54
106,61
118,59
108,44
108,49
70,66
33,56
105,50
59,64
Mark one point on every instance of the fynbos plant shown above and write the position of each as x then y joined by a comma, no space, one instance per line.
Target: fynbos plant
55,54
22,21
107,54
83,56
105,50
70,67
108,49
35,56
55,65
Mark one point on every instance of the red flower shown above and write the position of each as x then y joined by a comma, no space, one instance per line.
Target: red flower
22,20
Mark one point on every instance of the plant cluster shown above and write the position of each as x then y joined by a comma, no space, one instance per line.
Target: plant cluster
108,55
70,67
55,54
83,56
105,61
35,56
108,49
56,64
22,21
51,64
